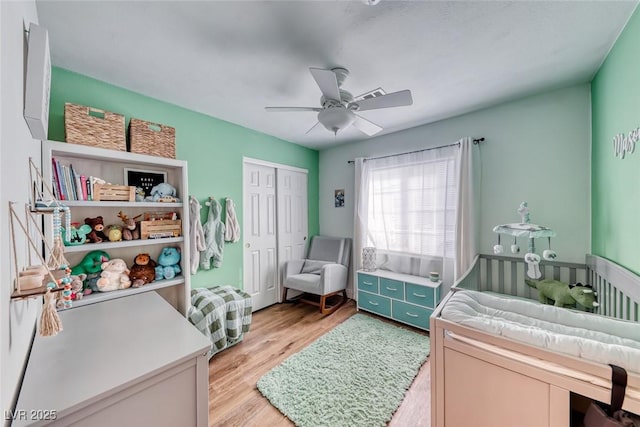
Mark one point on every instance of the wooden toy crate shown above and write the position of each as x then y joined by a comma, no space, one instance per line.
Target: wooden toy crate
94,127
110,192
160,228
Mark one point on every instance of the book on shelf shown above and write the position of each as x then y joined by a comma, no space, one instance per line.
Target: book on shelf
65,185
67,178
83,185
57,175
90,188
77,185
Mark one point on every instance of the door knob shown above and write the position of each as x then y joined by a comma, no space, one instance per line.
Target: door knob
248,245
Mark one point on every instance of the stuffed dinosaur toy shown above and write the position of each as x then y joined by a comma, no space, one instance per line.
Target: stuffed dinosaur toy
91,263
563,294
91,267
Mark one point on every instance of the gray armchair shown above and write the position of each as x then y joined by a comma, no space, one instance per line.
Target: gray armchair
323,273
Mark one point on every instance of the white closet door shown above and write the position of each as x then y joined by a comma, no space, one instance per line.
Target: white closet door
260,228
292,216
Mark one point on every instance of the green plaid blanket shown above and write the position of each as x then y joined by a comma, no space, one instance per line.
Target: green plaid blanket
222,314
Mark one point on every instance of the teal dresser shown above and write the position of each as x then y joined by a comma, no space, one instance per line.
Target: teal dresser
407,299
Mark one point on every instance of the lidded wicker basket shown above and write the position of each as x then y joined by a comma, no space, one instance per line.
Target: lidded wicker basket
152,138
92,126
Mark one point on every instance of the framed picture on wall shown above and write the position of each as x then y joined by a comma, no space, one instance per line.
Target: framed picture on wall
144,179
338,196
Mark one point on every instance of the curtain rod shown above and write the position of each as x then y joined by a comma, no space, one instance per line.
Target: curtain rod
475,142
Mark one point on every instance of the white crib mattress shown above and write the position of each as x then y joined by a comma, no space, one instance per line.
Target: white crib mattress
585,335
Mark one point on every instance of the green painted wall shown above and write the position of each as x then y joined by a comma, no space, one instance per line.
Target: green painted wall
214,149
615,97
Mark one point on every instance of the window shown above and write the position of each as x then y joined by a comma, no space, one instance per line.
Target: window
412,206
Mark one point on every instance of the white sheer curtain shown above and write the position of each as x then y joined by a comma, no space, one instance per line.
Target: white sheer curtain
407,210
360,214
466,217
407,207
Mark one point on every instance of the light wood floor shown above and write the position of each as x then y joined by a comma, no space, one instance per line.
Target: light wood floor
276,333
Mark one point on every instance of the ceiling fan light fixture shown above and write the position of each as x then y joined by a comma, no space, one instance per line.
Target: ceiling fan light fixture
336,119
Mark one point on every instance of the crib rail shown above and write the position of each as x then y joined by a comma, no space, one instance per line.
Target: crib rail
618,288
506,275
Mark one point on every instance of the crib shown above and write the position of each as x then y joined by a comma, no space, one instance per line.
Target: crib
486,379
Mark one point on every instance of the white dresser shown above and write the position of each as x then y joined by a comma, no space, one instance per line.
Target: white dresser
131,361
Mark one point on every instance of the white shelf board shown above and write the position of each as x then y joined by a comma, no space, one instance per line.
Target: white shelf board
122,244
95,204
65,149
105,296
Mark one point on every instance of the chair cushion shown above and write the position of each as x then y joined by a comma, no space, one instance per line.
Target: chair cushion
312,266
334,249
304,282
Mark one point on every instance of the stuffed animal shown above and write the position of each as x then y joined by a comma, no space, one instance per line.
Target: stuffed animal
563,294
91,283
96,235
114,276
130,230
163,192
78,234
91,263
143,270
114,233
140,194
168,265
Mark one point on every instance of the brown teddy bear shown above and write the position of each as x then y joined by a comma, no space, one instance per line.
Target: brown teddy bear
97,229
143,270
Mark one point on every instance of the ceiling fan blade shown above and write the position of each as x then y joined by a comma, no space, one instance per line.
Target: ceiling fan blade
312,128
395,99
365,126
327,82
276,109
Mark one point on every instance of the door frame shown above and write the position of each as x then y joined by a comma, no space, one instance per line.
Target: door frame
272,164
277,166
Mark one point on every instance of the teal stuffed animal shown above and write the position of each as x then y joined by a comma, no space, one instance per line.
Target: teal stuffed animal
78,234
562,294
168,263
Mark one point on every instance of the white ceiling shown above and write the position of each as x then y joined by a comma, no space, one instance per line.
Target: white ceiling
229,59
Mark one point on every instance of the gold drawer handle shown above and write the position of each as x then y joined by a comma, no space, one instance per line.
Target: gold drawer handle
411,314
419,295
390,289
373,303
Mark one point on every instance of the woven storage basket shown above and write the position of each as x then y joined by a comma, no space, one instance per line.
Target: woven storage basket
152,138
94,127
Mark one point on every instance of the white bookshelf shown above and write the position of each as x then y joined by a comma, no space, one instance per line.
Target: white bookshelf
110,165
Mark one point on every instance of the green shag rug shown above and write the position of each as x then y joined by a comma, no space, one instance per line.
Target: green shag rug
355,375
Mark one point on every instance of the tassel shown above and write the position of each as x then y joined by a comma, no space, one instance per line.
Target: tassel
50,323
56,257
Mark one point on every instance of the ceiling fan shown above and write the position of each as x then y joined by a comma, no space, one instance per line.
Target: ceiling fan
338,107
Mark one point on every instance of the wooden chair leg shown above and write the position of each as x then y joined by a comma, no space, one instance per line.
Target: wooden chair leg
284,294
323,302
329,310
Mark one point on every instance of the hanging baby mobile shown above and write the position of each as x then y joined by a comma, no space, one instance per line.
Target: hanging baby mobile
528,230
